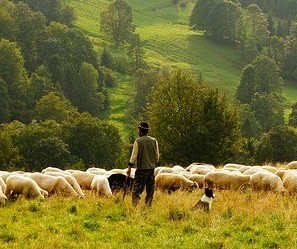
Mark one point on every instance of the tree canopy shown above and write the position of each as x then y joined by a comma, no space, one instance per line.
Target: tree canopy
117,21
192,122
261,87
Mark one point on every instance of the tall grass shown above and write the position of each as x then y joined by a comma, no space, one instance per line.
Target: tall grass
237,220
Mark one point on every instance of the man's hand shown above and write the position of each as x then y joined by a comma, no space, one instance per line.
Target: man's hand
128,172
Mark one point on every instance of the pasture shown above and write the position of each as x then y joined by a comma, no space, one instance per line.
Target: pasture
238,219
168,42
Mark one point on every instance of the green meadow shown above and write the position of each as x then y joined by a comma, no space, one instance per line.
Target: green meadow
169,43
237,220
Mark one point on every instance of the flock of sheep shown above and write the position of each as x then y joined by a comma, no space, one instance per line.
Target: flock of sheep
101,182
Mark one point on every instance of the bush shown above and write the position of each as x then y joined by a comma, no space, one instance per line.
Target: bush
278,145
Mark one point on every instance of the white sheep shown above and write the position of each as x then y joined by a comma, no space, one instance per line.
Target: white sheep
162,169
197,178
84,179
100,186
193,166
200,168
53,184
280,172
233,165
71,180
96,171
3,197
253,170
292,165
54,169
171,182
267,181
290,181
178,168
222,179
21,185
2,185
270,168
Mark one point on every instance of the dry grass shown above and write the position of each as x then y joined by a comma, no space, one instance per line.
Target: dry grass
238,219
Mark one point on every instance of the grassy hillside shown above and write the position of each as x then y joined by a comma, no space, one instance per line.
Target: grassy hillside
237,220
168,42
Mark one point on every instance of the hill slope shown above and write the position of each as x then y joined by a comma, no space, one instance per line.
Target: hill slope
169,42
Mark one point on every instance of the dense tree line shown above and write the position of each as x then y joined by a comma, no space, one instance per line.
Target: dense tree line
79,139
53,88
251,29
185,115
279,8
52,10
40,55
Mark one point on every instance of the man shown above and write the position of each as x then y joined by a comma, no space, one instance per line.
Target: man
145,155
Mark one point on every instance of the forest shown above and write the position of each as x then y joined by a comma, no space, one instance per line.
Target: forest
55,87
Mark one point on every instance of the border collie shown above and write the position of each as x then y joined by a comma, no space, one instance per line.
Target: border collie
206,200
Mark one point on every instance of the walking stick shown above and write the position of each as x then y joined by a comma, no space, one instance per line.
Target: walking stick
125,187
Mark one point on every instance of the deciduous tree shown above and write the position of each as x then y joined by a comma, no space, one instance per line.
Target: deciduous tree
5,102
278,145
55,107
261,87
14,74
293,116
94,141
222,20
192,122
257,25
117,21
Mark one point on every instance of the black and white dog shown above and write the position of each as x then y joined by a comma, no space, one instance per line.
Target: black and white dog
206,200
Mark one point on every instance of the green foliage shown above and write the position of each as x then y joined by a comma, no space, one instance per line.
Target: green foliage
249,125
14,74
271,26
117,20
87,98
261,87
293,116
136,53
268,111
277,50
5,102
222,20
108,77
31,33
290,64
9,155
185,118
278,145
106,59
40,146
41,85
257,25
55,107
250,51
145,80
50,151
7,25
53,10
94,141
278,8
71,60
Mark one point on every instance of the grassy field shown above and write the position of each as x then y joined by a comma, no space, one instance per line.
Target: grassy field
242,219
168,43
